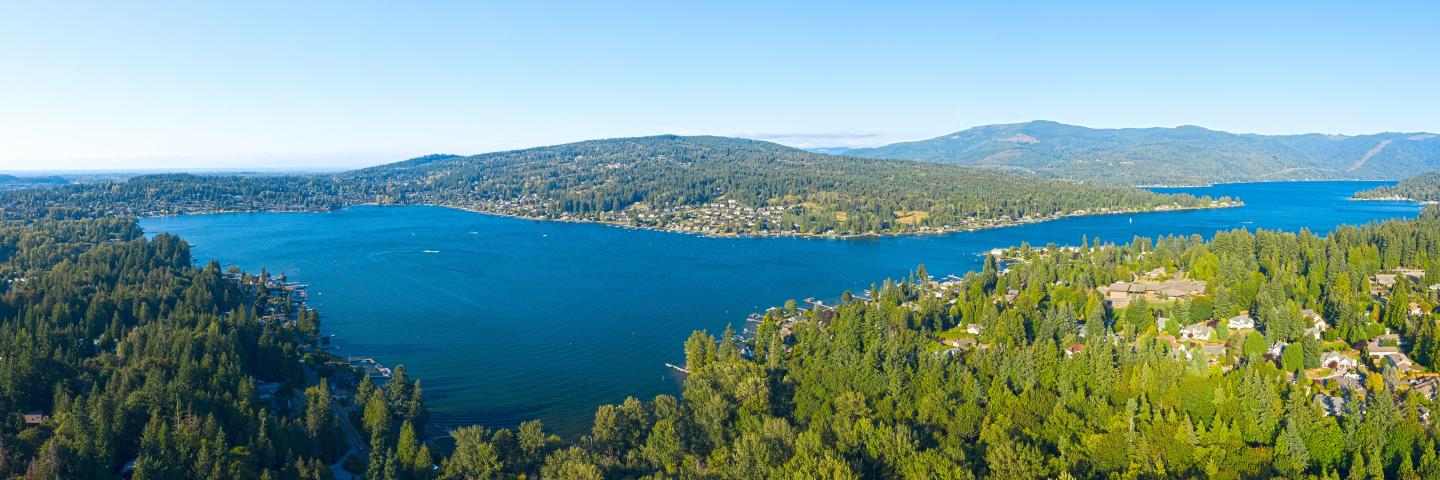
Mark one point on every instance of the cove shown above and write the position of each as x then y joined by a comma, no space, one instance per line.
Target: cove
507,320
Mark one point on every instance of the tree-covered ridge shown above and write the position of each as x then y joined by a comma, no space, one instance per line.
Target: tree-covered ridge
1184,155
9,182
1424,187
710,185
119,357
1057,384
727,185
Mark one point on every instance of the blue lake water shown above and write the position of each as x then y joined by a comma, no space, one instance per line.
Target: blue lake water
507,319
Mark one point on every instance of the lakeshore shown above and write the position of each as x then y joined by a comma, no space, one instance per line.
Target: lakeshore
580,315
942,230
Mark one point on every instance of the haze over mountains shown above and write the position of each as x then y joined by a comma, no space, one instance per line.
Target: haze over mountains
1171,156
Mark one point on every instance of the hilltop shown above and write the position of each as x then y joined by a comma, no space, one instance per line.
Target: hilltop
1183,155
9,182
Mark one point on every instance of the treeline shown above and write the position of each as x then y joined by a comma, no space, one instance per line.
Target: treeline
1424,187
133,361
649,181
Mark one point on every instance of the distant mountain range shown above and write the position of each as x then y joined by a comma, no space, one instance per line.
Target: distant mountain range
1171,156
829,150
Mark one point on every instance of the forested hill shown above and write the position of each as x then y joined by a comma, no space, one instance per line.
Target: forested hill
8,182
728,185
712,185
1424,187
119,357
1172,156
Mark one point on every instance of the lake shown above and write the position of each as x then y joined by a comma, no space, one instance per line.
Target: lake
507,320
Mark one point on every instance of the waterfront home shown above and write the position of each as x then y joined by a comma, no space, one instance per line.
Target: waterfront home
1199,331
1338,361
1241,321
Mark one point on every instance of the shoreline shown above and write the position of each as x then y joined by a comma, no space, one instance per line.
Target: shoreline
1393,198
833,236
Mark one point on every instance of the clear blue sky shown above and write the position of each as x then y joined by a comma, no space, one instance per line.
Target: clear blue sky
314,83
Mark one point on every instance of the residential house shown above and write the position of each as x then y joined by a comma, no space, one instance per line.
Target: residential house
1338,361
1415,310
1402,363
1011,295
1120,294
1214,351
1384,345
1333,406
1276,349
1412,274
35,417
1317,326
1160,323
973,329
1350,383
965,342
1199,331
1426,386
1074,349
266,391
1241,321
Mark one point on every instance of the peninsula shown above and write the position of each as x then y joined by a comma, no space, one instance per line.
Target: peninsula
705,185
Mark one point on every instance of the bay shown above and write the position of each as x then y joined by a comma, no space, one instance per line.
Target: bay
507,319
